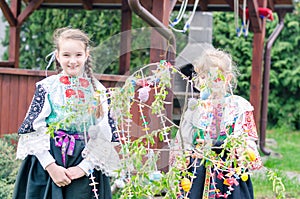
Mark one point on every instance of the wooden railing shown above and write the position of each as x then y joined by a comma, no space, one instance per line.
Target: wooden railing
17,87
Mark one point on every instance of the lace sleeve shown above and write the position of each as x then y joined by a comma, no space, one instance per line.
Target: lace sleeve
33,137
32,143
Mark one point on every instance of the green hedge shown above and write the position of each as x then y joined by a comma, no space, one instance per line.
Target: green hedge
8,164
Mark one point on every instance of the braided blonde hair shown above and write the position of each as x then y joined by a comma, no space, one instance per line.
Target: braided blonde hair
216,58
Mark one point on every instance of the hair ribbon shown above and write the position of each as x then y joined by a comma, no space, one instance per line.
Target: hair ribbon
52,58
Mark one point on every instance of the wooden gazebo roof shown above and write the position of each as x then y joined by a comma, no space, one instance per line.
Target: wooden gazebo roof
156,13
209,5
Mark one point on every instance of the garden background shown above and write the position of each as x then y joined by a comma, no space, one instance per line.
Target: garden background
102,25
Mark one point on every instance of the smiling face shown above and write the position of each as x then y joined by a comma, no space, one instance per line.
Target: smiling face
72,55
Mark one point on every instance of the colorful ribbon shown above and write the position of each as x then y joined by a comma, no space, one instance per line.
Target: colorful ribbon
66,142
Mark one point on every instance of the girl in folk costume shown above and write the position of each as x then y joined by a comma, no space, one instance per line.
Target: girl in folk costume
65,138
217,133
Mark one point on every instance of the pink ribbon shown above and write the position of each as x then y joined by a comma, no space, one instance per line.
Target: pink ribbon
66,142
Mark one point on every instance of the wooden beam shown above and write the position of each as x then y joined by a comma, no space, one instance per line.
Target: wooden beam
256,74
257,65
87,4
12,21
255,20
14,35
42,74
32,6
6,64
147,4
203,5
125,44
24,72
271,4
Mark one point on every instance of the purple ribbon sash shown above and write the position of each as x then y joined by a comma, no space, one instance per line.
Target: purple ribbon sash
66,142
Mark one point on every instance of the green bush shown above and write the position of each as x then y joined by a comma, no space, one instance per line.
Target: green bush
8,164
6,189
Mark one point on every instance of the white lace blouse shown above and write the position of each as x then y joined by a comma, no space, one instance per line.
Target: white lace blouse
68,102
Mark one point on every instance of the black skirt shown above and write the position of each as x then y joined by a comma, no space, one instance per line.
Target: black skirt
243,191
33,182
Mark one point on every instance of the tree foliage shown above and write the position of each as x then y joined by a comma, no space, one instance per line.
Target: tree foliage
284,95
103,26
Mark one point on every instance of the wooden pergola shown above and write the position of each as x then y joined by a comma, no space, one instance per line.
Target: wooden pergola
156,13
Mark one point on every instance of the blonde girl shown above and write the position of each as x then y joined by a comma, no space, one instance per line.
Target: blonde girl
218,130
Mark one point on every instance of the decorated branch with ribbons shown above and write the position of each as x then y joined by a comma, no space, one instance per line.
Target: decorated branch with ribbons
228,162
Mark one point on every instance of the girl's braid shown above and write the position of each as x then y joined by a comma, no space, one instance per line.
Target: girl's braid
58,68
89,72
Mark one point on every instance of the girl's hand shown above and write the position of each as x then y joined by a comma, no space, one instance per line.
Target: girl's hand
59,175
75,172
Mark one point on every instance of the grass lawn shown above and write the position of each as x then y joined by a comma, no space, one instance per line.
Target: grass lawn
284,160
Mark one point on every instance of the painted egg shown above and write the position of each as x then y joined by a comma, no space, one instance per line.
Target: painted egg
155,176
185,184
244,177
251,154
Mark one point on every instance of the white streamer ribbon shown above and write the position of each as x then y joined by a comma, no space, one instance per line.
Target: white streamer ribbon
52,58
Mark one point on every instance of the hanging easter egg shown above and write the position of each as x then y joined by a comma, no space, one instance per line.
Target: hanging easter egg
192,103
204,94
185,184
244,177
133,82
120,183
251,154
226,182
155,176
144,93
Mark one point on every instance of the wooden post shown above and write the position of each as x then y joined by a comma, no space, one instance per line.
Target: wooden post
15,19
125,45
257,65
161,10
14,32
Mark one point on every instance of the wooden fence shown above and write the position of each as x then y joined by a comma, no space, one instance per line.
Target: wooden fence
17,88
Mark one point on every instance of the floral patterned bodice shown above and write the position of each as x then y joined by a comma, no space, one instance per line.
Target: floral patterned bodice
68,102
207,119
72,100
